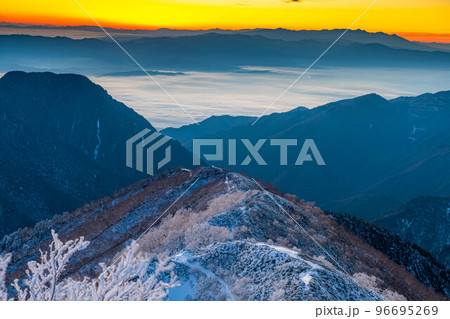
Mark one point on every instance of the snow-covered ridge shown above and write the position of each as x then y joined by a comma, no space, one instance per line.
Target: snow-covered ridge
241,270
228,239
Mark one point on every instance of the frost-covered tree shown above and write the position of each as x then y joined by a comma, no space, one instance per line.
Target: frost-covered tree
126,279
43,278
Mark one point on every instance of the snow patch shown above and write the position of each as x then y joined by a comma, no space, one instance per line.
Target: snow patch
306,278
187,170
183,258
98,139
185,291
290,252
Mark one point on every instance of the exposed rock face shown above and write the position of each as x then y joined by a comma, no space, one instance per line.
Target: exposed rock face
229,239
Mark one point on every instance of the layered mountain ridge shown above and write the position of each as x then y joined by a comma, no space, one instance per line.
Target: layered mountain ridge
379,153
215,51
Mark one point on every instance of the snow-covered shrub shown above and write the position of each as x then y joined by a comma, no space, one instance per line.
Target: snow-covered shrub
278,290
175,233
43,278
373,283
201,235
126,279
209,289
241,288
4,261
190,229
277,295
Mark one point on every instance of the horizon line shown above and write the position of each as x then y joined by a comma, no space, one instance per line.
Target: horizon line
143,28
432,37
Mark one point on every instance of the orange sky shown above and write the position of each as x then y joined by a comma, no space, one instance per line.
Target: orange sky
414,19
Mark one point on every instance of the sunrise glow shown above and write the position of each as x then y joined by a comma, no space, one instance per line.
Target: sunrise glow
415,19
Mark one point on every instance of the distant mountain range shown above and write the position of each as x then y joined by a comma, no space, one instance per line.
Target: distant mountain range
355,36
229,240
209,126
217,51
62,141
379,153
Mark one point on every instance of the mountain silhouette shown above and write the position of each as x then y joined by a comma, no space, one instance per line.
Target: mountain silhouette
62,142
351,36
